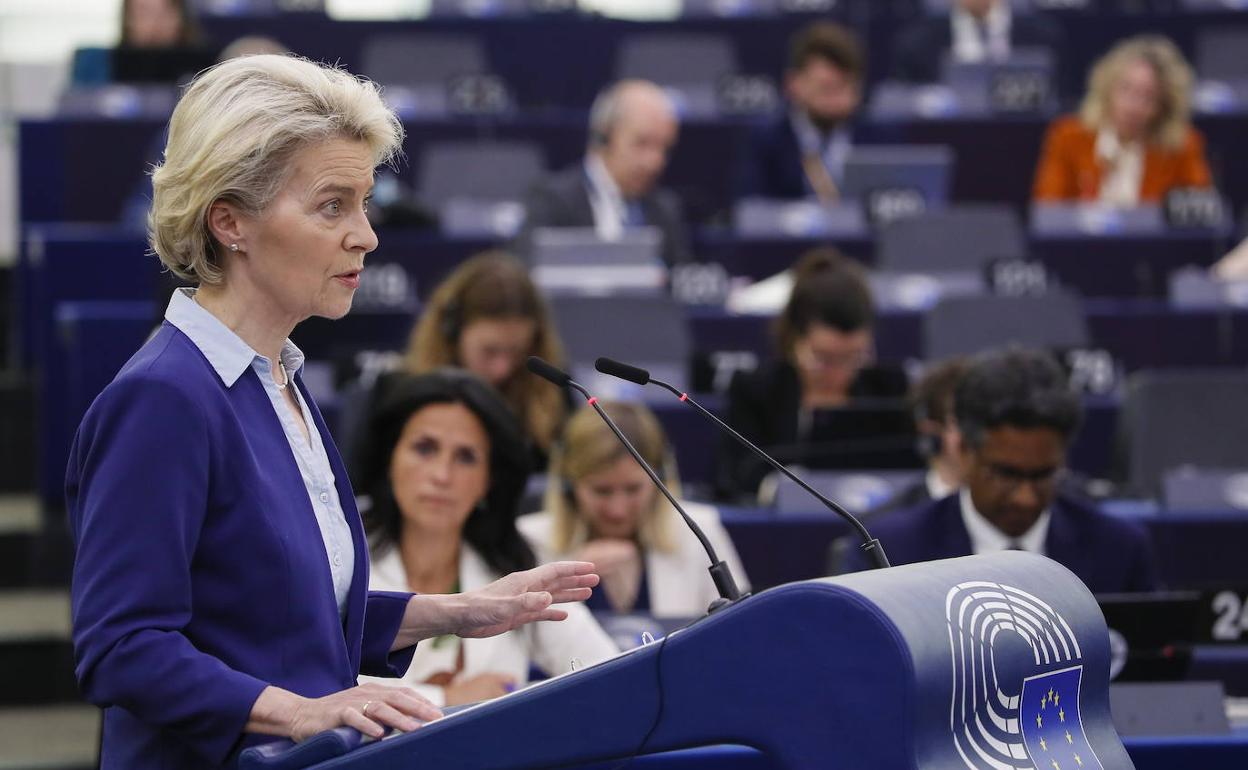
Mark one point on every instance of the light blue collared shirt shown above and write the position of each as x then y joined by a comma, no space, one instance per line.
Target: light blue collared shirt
230,357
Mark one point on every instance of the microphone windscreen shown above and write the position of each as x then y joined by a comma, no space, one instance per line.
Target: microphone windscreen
623,371
547,371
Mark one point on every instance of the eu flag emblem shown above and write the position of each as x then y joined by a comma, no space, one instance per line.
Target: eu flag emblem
1052,729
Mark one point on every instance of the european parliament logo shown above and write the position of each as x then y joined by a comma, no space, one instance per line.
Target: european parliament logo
1017,668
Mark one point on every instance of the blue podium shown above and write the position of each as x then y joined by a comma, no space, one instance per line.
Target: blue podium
995,662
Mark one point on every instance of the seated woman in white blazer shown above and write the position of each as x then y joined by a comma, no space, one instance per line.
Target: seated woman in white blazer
603,507
444,464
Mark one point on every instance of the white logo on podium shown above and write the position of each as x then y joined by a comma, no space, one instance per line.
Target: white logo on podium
987,710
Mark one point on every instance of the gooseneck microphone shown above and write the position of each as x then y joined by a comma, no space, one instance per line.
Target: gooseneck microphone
720,573
623,371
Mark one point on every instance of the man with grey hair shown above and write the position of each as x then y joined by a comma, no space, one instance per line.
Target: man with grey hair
1017,416
632,129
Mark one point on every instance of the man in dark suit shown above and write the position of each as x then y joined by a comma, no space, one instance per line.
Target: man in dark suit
801,153
1017,415
632,129
974,31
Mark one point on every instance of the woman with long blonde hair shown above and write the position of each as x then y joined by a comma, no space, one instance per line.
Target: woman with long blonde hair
599,501
1132,140
487,317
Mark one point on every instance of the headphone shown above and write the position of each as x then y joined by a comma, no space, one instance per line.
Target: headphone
451,321
601,117
928,445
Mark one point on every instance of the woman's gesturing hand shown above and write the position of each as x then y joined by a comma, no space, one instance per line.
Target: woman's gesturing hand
525,597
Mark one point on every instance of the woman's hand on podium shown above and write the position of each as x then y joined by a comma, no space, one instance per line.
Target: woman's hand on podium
369,708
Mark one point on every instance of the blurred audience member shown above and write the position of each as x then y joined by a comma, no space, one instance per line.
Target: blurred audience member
252,45
1017,415
160,43
1133,138
801,153
826,349
974,31
488,317
632,129
444,469
940,442
167,27
157,24
602,506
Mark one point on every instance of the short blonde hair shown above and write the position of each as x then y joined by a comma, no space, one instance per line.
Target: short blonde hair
232,136
588,447
1174,78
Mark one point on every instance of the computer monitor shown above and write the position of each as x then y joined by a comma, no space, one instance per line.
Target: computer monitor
576,260
868,434
1151,634
159,65
892,181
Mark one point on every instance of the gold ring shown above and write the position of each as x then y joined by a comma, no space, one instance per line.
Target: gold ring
364,711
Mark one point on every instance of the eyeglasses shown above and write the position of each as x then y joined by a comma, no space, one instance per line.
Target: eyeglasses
1010,477
809,358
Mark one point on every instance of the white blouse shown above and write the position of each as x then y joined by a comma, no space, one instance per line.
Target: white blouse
551,645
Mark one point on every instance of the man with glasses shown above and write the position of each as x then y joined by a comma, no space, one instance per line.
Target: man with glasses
1017,416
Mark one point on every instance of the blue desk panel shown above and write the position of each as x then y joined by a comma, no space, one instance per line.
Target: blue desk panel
1206,752
85,262
74,169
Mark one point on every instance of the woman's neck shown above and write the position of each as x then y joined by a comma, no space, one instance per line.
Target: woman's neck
430,559
823,398
249,314
1126,139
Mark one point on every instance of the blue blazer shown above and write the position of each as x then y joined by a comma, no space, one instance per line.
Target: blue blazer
1109,555
771,164
200,575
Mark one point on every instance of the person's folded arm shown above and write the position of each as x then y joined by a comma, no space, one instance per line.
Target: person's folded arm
137,487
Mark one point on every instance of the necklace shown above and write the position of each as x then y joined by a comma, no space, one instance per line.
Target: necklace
285,377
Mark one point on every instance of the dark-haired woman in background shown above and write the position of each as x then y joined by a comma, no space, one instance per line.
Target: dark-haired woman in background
488,317
444,465
826,349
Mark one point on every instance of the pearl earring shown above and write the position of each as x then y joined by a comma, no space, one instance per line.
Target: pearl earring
233,247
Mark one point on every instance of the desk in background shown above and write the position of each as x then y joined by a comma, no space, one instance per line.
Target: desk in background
1214,752
85,169
1194,550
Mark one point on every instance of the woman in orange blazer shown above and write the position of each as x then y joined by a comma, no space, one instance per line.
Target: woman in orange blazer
1132,140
